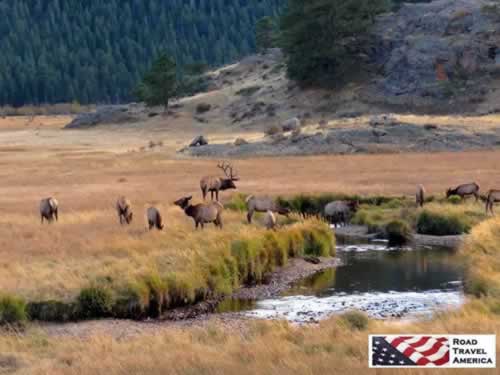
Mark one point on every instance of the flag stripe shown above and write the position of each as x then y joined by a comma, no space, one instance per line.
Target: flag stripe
422,350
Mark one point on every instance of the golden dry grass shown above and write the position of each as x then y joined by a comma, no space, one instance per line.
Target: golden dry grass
88,242
333,347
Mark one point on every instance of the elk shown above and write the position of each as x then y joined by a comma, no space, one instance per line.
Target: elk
420,196
215,184
202,213
493,197
270,220
154,218
49,209
339,212
124,210
464,191
263,204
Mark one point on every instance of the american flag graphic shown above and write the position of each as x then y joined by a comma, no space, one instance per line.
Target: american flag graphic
410,351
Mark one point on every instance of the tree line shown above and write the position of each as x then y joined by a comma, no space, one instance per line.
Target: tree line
97,51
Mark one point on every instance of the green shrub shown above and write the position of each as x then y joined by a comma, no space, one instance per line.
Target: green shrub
441,224
52,311
95,302
319,241
355,320
12,310
132,301
237,202
454,199
398,232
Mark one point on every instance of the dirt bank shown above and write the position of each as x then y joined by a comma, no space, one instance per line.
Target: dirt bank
200,315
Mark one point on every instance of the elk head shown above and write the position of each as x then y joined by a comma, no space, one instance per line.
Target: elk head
228,182
183,202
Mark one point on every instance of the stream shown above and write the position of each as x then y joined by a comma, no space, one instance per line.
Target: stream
385,283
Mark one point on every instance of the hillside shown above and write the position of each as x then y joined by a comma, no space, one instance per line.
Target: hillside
95,52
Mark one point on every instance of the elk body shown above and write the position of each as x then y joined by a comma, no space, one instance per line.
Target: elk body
263,204
215,184
49,209
420,196
493,197
154,218
464,191
124,210
340,212
270,220
202,213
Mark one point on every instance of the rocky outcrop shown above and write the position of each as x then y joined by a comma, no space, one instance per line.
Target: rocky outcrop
110,114
424,46
383,138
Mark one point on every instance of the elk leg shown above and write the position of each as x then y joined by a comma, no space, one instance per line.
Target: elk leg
41,218
216,195
249,217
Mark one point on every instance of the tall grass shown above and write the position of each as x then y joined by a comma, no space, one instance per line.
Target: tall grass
482,251
244,259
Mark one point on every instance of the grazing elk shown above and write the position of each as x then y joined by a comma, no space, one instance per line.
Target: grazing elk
124,210
202,213
215,184
420,196
49,209
263,204
270,220
493,197
464,191
340,212
154,218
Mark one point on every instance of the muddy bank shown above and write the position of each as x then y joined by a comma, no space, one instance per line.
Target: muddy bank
199,315
283,279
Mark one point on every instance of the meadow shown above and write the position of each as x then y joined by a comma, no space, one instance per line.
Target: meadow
88,171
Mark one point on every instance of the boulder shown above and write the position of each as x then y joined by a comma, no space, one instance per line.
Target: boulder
291,124
198,141
383,120
240,142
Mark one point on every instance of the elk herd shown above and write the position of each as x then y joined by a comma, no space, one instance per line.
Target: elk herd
336,212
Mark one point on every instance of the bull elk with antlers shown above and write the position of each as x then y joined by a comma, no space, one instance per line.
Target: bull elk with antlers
215,184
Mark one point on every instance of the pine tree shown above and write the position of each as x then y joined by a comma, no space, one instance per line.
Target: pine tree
159,84
265,34
322,38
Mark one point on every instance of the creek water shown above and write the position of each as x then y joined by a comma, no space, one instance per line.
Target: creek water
384,282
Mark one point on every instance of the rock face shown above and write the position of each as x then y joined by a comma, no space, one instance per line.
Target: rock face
424,45
110,114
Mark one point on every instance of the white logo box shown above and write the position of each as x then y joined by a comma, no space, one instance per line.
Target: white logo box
466,351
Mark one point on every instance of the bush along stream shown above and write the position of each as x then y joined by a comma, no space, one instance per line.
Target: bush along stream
246,260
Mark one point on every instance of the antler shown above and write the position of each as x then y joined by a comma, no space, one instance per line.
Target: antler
227,167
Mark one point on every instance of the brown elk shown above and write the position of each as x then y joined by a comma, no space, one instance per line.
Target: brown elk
420,196
493,197
263,204
215,184
49,208
124,210
202,213
464,191
154,218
